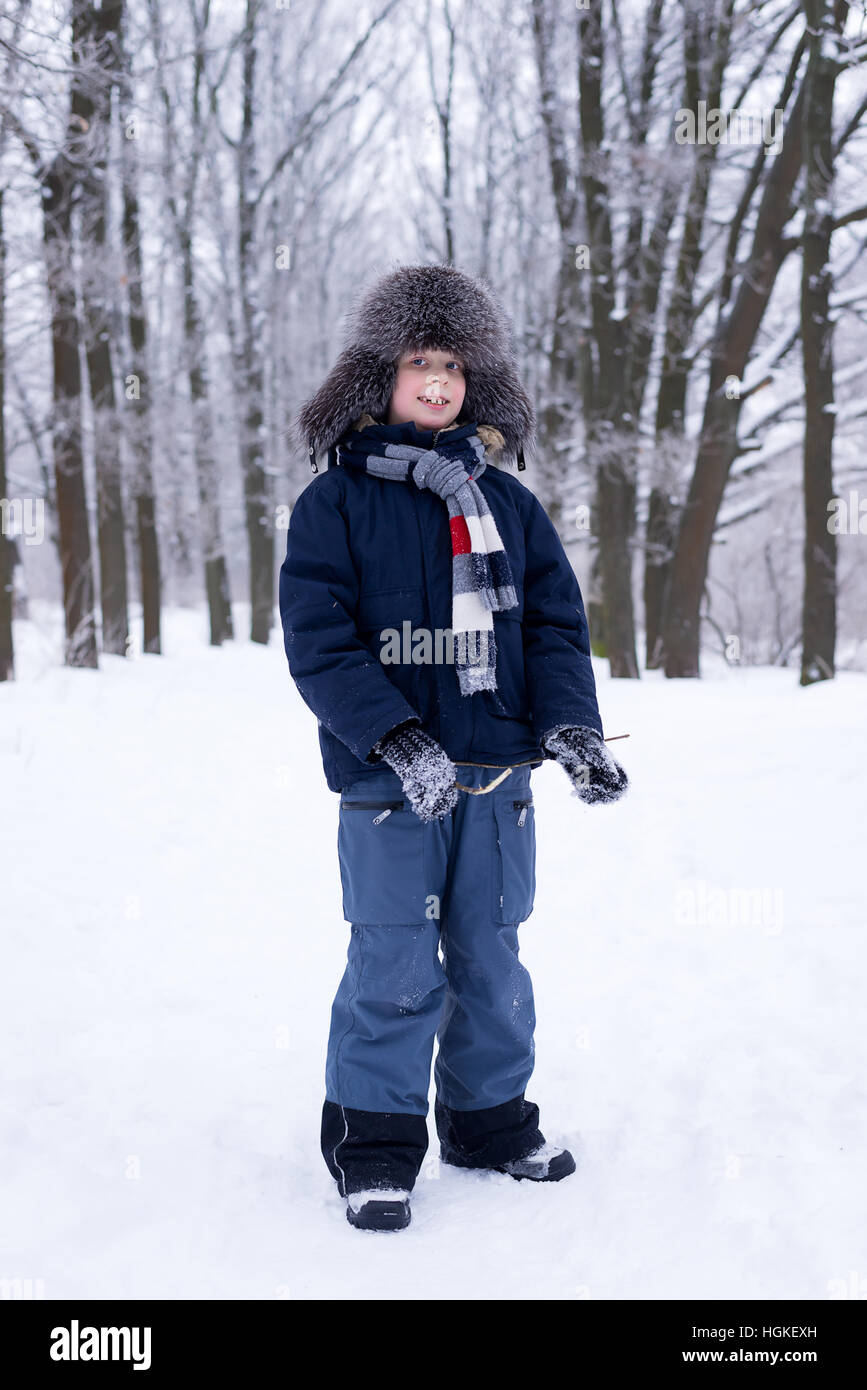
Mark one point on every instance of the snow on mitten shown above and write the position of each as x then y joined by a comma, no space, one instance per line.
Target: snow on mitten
426,771
594,774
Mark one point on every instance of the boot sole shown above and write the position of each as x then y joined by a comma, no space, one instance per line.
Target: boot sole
380,1216
559,1168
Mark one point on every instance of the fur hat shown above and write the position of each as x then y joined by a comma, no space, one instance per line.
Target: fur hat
414,307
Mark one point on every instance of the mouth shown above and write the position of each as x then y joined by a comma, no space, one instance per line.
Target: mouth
434,402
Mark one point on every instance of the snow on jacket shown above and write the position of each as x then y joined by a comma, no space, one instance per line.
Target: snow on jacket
366,554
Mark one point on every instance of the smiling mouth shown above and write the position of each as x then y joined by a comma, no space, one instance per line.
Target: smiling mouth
434,402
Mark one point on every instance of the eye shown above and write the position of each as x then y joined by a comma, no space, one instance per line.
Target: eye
456,365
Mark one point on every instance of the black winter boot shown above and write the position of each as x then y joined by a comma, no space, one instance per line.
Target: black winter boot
380,1210
546,1164
366,1150
488,1138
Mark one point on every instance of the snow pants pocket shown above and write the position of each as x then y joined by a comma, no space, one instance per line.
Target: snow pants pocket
381,846
514,857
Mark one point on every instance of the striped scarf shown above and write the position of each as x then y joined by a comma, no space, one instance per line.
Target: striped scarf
481,575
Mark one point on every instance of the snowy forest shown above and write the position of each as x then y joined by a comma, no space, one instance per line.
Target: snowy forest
667,197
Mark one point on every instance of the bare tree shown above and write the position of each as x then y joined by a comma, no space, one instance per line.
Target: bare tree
7,660
569,363
59,181
819,619
733,344
8,547
443,107
139,399
257,494
605,401
182,215
607,294
99,72
706,50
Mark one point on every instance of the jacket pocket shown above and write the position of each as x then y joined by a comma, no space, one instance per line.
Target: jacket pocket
514,858
388,608
386,620
510,699
380,844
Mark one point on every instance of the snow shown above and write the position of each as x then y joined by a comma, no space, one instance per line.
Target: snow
357,1200
173,941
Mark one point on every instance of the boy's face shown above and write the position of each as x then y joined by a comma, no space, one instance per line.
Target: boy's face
424,379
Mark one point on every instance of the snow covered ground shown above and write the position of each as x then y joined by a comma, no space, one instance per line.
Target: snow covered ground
173,937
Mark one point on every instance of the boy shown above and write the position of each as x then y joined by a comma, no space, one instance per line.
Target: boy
434,625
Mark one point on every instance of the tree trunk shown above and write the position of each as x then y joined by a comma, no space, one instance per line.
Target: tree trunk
207,474
195,347
565,386
139,400
59,181
257,492
609,439
570,345
96,292
662,511
7,547
819,618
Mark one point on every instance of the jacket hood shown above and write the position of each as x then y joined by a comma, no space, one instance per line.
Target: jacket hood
414,307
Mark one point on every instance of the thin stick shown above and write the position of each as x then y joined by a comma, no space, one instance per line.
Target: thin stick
481,791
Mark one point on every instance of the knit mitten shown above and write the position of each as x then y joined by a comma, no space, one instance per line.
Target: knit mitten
594,774
426,771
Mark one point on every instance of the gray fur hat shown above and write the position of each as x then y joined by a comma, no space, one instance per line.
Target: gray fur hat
414,307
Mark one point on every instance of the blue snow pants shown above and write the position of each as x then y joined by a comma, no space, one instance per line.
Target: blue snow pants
458,886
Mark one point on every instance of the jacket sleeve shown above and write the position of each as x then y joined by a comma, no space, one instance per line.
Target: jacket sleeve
560,680
338,677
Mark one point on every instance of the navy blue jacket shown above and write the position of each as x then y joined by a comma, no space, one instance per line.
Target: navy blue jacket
364,554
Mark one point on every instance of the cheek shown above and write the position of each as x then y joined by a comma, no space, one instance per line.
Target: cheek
405,388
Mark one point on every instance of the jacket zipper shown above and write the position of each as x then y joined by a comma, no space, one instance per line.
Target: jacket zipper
438,684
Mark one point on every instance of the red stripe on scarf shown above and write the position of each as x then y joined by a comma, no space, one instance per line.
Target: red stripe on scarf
460,536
